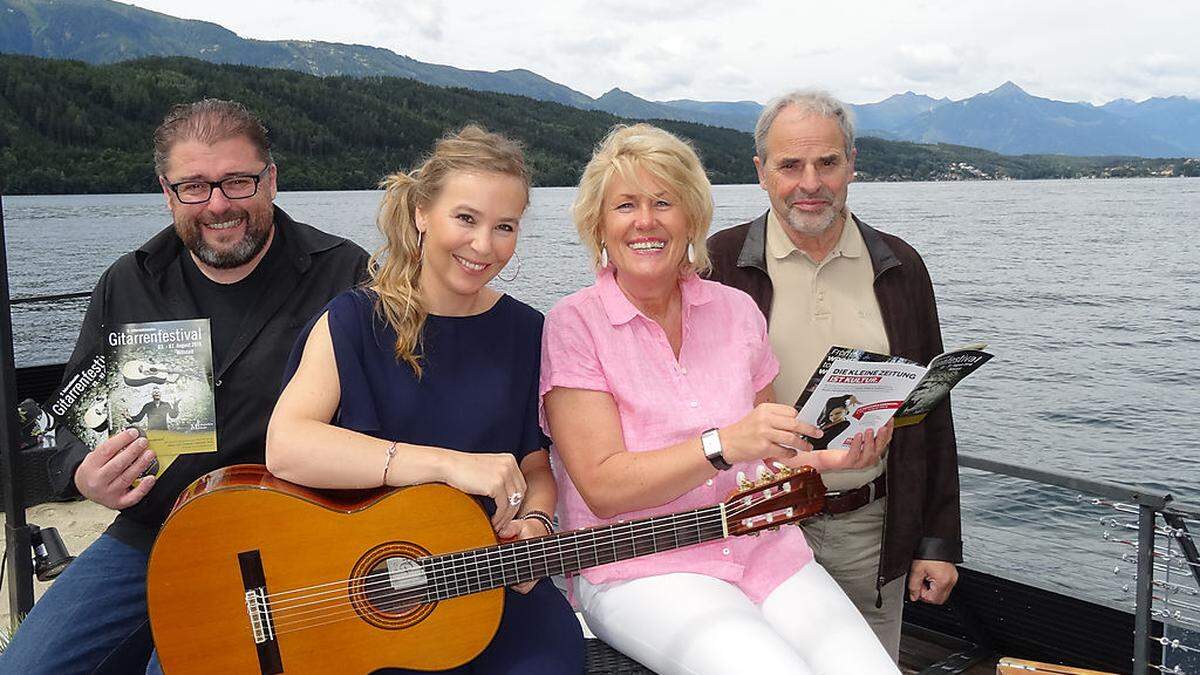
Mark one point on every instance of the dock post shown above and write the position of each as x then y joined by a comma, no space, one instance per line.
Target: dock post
1145,590
19,561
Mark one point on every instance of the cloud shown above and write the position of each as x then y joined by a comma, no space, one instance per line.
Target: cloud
426,17
715,50
929,62
1164,65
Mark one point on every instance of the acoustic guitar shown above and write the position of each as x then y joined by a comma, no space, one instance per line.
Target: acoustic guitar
252,574
96,415
137,373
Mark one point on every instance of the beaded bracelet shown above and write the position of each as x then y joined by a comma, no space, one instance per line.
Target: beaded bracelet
391,452
543,518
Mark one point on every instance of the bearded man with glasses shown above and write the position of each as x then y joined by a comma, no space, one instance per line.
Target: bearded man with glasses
235,258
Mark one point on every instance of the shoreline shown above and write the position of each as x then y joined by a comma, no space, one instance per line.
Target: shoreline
858,179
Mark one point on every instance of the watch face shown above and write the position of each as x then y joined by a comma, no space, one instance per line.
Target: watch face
711,442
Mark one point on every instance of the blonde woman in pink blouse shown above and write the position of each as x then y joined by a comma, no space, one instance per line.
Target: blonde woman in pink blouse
656,389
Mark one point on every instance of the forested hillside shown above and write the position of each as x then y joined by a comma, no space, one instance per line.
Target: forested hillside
69,127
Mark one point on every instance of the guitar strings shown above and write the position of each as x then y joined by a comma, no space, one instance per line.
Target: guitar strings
738,507
454,567
454,575
302,619
442,561
339,613
420,594
342,612
458,567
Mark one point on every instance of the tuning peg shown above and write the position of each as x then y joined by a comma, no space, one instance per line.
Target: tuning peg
743,484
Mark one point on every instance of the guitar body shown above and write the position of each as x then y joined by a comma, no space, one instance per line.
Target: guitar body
96,416
138,373
239,527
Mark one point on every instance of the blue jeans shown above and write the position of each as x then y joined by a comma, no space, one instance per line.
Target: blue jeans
91,619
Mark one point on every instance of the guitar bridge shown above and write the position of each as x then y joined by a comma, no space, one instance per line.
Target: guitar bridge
258,609
260,615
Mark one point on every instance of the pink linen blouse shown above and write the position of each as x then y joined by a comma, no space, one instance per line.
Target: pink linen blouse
596,339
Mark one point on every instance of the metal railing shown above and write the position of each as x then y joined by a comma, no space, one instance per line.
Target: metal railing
1148,523
37,299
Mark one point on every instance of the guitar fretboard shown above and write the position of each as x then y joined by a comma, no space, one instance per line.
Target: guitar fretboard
455,574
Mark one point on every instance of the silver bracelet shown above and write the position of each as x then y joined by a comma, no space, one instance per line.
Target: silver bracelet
391,452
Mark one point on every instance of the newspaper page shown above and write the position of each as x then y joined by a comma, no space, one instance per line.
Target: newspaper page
853,396
854,389
835,352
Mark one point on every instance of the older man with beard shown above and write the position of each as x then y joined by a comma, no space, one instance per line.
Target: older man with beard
823,277
235,258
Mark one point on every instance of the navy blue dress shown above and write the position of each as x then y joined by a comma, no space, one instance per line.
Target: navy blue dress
478,393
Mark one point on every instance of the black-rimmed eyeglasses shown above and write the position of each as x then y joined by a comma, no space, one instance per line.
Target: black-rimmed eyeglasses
234,187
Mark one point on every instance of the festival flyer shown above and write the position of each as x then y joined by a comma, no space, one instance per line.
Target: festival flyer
160,380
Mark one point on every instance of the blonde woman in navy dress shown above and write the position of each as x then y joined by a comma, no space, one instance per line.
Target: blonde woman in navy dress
428,375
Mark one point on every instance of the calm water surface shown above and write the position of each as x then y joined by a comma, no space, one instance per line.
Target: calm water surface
1086,291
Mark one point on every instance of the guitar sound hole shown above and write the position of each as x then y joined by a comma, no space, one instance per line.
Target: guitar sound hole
388,586
396,586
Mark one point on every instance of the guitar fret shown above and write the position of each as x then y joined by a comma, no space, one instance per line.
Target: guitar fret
543,570
529,562
459,563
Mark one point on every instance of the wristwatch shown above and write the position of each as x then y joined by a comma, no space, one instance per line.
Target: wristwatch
711,442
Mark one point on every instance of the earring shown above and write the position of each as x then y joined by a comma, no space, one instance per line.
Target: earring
420,239
603,257
515,273
691,252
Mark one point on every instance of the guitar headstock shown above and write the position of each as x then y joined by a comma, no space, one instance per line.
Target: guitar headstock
782,498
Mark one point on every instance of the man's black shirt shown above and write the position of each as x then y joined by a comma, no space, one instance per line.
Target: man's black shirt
149,285
226,305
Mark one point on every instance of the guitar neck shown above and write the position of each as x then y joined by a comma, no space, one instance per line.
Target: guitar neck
455,574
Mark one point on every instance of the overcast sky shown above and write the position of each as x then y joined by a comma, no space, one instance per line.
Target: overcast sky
753,49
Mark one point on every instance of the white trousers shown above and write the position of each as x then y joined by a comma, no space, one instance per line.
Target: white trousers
696,624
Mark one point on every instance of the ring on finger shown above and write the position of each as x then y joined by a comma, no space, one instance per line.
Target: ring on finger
515,498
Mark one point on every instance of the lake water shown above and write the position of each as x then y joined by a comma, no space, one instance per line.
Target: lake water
1088,293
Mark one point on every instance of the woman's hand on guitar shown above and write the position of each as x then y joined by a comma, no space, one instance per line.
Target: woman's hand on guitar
770,431
107,473
522,528
494,475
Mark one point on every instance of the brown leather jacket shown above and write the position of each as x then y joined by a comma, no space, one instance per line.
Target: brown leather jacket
922,467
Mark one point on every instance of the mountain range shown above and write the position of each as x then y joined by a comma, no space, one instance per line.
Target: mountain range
1007,119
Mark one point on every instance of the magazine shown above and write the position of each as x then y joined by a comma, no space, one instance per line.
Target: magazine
854,389
160,380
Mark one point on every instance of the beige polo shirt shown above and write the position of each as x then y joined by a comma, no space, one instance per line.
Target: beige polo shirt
819,304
